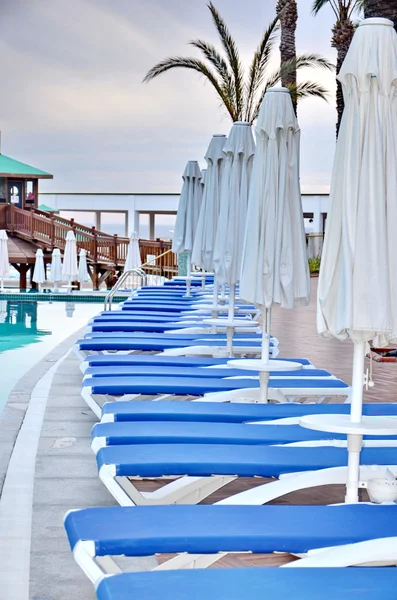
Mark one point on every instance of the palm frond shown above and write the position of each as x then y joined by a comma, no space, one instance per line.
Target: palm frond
259,65
319,4
309,89
219,64
232,54
314,61
180,62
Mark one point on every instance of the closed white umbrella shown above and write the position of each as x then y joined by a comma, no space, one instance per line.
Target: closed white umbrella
188,213
204,242
70,270
56,267
239,155
39,269
83,274
133,259
274,266
4,264
357,294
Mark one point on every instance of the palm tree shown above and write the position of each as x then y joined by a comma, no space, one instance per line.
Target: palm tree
342,35
381,8
287,12
241,93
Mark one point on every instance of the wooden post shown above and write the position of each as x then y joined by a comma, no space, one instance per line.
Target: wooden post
52,235
33,284
115,248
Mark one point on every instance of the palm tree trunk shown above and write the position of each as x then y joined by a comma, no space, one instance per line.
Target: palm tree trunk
288,14
381,8
342,35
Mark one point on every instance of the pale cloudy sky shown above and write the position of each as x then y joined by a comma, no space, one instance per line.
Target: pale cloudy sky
72,101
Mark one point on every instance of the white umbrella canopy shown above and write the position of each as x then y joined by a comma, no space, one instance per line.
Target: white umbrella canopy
56,266
188,214
39,269
358,276
204,242
274,268
188,209
4,264
133,259
83,274
70,270
239,154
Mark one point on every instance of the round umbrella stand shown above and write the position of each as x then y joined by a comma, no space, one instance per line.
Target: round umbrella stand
231,326
264,367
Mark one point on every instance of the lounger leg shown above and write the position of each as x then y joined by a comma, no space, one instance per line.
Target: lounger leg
86,394
379,552
190,561
298,481
184,490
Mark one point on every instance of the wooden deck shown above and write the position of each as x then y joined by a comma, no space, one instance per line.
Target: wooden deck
296,331
20,251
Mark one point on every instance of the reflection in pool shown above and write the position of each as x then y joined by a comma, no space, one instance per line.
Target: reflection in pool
31,329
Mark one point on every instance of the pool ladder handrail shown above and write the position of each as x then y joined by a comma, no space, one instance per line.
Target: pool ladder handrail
110,295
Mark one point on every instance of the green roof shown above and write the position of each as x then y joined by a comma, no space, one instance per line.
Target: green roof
47,208
10,167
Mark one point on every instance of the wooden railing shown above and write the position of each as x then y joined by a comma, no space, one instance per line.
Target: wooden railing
165,264
50,231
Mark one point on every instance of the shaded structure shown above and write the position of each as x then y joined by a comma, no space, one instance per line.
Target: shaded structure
30,228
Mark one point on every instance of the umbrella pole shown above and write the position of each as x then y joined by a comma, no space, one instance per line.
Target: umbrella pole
230,317
354,441
2,284
189,272
215,302
264,375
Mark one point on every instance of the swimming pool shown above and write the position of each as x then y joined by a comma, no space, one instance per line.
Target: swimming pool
30,329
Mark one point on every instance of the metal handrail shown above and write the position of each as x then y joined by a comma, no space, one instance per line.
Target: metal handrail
137,271
119,282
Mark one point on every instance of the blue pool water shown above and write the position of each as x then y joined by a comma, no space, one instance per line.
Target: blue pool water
31,329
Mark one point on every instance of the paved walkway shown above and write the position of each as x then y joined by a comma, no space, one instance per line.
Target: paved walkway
46,415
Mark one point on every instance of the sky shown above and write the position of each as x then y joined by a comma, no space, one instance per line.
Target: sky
73,102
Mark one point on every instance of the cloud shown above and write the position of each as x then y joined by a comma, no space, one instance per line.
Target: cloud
73,102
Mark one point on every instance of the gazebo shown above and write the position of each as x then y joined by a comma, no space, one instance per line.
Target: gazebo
19,183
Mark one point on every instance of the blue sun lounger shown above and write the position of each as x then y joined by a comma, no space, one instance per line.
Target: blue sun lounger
130,344
230,412
97,360
177,432
210,532
125,387
185,371
253,584
198,470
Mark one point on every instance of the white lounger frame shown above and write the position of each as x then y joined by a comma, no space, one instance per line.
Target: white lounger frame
192,490
379,551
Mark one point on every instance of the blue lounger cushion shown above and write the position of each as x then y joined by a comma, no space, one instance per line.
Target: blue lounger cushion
198,386
135,326
218,373
230,412
170,432
146,344
144,531
156,307
253,584
168,335
145,326
97,360
127,317
204,460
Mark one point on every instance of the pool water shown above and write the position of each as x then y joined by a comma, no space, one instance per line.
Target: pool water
31,329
